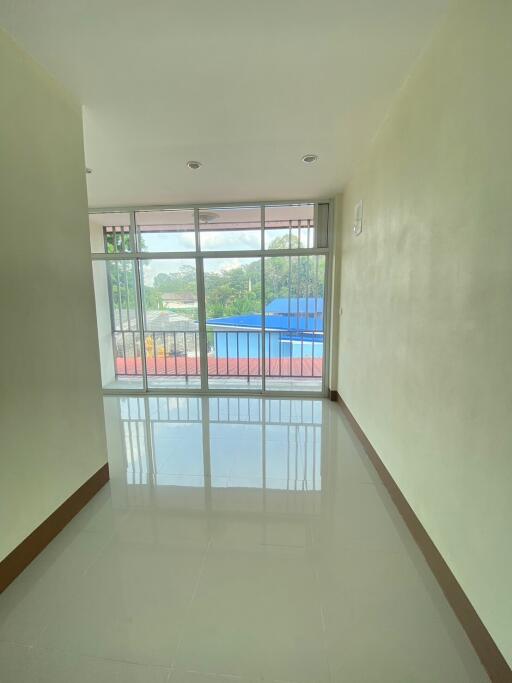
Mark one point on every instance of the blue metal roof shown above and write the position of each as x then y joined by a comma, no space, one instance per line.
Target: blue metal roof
273,323
296,305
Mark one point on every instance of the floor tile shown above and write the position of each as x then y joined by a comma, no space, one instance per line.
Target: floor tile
19,664
387,621
256,614
259,546
130,606
360,514
26,603
252,533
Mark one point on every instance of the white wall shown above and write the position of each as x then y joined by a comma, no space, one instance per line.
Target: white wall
425,359
51,419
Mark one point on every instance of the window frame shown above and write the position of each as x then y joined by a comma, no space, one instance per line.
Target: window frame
322,234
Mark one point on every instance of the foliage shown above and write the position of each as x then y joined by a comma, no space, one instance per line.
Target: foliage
233,291
122,287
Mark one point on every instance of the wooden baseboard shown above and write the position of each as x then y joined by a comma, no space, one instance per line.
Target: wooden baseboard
492,659
12,565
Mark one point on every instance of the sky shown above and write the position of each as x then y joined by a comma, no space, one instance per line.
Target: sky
183,242
213,241
152,268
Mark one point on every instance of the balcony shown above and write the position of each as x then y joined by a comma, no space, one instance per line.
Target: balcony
291,358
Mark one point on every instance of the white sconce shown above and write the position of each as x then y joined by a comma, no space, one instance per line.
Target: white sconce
358,218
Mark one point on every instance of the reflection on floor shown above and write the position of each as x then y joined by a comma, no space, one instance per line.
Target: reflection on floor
240,539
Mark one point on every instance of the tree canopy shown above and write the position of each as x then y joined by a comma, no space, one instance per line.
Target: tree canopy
231,291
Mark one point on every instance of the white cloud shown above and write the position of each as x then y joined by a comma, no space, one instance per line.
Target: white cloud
227,240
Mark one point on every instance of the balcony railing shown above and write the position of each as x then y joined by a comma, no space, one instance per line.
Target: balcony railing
176,353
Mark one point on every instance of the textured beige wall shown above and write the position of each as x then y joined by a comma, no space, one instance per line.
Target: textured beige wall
51,419
425,358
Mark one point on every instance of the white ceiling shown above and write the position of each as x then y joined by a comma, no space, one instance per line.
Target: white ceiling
245,87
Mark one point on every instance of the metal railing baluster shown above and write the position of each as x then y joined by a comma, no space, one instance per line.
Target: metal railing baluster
165,352
237,356
302,354
124,350
259,356
175,357
134,350
216,337
280,341
195,350
248,358
186,355
154,354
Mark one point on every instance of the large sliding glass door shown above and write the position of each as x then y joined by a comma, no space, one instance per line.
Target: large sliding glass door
169,297
212,299
233,322
294,307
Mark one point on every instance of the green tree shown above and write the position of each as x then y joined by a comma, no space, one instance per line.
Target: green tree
235,291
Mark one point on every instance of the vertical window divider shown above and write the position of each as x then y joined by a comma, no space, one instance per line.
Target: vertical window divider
315,225
133,235
138,294
196,230
201,307
263,317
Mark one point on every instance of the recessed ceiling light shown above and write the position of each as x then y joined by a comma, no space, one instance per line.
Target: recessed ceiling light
310,158
194,165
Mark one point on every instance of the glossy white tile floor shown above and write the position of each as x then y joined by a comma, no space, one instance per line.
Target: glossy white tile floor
238,540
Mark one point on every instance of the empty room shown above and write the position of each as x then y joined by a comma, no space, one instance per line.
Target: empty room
256,333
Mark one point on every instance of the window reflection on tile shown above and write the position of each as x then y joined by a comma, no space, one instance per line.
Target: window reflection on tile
240,451
177,448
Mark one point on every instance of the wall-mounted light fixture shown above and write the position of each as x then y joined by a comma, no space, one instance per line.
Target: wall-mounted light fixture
358,218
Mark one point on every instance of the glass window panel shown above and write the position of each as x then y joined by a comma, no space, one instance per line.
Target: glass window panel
290,226
171,230
294,322
233,320
169,296
118,324
110,233
235,228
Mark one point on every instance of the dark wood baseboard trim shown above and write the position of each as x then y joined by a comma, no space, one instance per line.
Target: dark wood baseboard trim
494,662
12,565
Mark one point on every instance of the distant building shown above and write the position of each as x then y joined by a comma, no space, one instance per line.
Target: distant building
310,307
294,318
179,300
